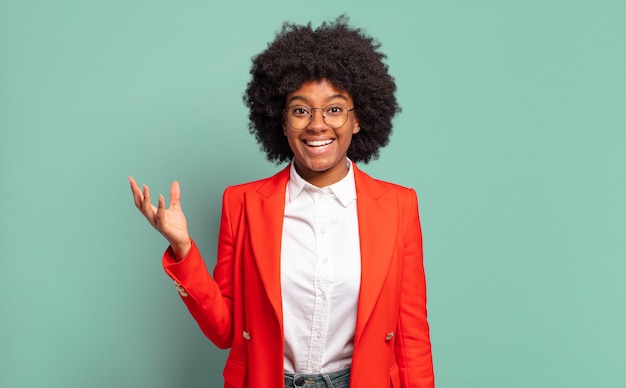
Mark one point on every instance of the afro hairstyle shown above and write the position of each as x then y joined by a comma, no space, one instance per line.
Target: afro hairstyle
345,56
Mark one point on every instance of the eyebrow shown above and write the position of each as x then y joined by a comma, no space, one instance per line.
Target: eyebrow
303,99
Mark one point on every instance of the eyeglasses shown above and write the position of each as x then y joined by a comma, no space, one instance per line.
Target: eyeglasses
300,116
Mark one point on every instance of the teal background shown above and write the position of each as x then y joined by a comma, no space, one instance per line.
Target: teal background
513,133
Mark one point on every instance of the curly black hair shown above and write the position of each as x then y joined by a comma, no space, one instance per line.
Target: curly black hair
343,55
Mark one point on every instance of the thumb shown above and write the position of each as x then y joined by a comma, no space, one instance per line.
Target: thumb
175,194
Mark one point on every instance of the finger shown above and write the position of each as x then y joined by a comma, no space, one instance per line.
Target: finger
160,212
137,195
146,197
175,194
147,207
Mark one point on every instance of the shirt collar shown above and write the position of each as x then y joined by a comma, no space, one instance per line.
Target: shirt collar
344,190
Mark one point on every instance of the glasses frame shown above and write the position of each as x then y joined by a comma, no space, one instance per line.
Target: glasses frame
285,112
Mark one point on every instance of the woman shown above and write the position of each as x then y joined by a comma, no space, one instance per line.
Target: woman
319,280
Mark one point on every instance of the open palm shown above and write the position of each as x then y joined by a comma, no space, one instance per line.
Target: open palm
170,222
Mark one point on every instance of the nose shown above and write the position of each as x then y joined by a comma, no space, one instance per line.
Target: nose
317,120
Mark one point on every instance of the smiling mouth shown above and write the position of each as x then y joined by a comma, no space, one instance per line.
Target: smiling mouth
318,143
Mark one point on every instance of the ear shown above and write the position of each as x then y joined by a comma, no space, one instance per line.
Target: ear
355,126
283,123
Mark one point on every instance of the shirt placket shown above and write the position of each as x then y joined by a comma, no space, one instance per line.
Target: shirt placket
324,279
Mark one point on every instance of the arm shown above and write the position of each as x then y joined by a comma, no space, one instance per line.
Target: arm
412,349
209,299
209,302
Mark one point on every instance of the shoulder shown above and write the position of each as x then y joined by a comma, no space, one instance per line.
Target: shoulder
247,186
265,186
378,187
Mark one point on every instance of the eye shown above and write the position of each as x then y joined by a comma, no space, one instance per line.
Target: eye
334,110
299,111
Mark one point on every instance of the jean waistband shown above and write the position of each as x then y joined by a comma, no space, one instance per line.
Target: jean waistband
322,379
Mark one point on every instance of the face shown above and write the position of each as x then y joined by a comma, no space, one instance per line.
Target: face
320,150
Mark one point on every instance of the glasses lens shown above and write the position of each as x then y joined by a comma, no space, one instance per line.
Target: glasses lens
300,116
335,115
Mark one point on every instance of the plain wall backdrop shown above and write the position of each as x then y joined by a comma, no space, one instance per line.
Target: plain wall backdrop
513,133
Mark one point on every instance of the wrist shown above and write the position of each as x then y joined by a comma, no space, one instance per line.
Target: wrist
181,249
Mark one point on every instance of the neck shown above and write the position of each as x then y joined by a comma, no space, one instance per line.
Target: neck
323,178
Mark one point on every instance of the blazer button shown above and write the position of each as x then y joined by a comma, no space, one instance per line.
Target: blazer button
246,336
389,336
180,289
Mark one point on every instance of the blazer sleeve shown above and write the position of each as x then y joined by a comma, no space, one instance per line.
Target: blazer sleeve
209,299
412,347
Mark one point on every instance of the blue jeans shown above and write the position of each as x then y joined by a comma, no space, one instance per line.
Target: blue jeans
339,379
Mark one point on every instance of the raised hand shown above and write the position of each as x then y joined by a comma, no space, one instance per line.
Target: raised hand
171,222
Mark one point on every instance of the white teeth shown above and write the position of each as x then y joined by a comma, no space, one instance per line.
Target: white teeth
318,143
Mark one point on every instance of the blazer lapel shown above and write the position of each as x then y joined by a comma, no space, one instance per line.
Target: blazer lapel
378,217
265,208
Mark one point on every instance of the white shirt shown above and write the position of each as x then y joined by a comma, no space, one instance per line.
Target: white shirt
320,274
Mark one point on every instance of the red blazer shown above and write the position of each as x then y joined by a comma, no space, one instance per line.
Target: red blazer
240,306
